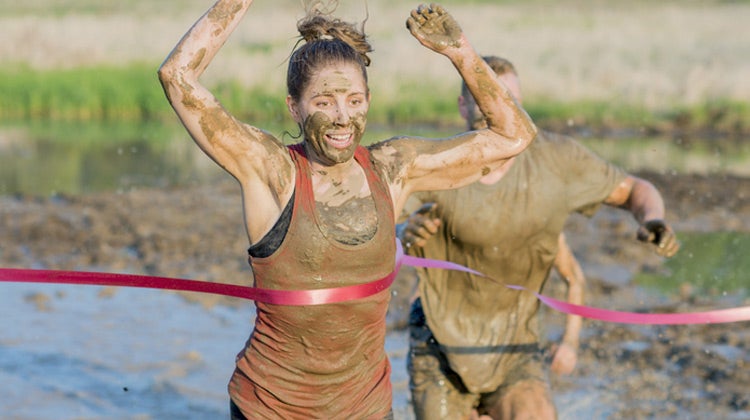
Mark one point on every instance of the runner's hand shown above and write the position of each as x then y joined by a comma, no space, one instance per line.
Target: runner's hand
660,234
564,359
421,226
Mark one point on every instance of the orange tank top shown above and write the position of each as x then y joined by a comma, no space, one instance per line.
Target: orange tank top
323,361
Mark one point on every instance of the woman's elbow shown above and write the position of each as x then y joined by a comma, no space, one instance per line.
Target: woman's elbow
174,82
520,134
527,132
523,138
166,73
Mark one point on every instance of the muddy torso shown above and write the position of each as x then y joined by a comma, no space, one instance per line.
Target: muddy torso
508,231
324,360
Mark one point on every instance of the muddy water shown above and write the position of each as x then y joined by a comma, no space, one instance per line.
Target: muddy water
87,352
74,159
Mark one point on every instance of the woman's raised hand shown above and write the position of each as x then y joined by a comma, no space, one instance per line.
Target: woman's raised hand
435,28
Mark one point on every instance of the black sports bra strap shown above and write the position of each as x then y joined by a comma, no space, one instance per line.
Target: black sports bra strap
272,240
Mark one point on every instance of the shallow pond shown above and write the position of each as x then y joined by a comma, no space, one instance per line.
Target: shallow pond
46,159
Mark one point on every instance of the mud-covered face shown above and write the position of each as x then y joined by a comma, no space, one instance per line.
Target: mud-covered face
333,113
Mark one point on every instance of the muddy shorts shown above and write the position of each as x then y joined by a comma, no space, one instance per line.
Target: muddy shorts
437,391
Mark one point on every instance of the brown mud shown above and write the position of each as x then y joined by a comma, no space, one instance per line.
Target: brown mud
635,371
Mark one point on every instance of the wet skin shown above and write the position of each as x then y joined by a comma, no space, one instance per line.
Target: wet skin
333,113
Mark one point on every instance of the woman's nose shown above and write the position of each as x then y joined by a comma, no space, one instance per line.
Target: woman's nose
342,114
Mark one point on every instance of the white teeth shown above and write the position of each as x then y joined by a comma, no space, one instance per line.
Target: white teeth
339,141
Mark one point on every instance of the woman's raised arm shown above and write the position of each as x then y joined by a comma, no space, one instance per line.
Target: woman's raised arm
255,158
458,161
240,149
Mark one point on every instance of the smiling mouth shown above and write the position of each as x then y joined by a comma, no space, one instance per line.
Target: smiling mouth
339,141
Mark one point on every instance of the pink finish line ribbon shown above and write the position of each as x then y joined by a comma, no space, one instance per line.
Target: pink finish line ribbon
278,297
358,291
709,317
272,296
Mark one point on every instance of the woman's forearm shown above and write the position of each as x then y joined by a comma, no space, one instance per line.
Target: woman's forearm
437,30
212,127
501,110
190,58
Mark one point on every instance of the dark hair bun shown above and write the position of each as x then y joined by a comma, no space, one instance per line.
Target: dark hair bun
318,26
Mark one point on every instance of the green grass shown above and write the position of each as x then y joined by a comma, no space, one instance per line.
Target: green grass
588,112
721,115
108,94
712,263
132,93
94,93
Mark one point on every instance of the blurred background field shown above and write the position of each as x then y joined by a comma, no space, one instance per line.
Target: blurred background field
650,66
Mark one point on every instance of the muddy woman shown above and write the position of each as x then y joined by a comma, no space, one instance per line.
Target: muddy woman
320,214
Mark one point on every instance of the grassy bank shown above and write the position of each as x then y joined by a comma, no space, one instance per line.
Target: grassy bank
95,93
132,93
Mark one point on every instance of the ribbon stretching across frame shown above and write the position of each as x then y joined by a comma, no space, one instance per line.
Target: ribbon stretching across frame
359,291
